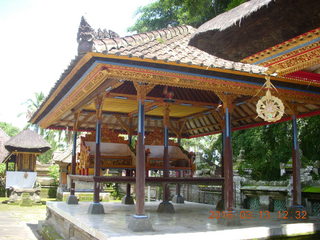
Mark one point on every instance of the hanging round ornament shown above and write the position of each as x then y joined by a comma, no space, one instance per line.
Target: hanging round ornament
270,108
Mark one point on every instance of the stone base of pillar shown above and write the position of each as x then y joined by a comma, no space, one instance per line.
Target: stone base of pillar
96,208
72,199
128,200
220,205
298,212
165,207
178,199
230,218
140,223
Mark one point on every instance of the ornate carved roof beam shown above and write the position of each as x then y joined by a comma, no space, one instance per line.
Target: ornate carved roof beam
176,101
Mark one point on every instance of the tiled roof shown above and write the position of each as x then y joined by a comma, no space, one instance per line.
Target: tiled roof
170,45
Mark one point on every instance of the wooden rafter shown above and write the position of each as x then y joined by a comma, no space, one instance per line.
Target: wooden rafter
160,100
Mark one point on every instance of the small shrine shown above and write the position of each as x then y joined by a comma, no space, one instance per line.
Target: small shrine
23,150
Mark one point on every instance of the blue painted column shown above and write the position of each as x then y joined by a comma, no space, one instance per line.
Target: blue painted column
296,164
227,163
73,162
140,163
97,162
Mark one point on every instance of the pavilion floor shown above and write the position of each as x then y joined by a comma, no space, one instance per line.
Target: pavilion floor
191,221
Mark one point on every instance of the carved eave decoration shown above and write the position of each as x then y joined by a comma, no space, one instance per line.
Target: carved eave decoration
290,56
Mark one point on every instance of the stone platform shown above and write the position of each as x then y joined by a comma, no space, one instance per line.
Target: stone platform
190,221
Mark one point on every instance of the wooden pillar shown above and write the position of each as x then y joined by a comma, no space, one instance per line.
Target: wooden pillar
227,162
97,158
178,187
140,163
72,199
166,193
73,162
296,163
128,172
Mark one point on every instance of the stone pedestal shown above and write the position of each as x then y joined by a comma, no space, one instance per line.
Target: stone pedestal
140,223
128,200
264,202
72,199
178,199
165,207
96,208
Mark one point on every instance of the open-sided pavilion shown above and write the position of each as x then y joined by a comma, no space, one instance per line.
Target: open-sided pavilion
155,80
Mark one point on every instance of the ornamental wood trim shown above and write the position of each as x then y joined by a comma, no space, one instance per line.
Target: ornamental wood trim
83,89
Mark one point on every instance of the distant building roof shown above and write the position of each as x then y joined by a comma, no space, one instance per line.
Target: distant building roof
3,151
27,141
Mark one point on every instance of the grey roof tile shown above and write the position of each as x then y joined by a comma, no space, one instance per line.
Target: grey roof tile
169,44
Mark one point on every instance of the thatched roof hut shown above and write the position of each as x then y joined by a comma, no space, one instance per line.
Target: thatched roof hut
256,25
27,141
3,151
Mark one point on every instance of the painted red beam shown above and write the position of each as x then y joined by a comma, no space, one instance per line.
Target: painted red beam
189,180
303,75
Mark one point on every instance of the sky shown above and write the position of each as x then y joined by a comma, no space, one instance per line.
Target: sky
38,41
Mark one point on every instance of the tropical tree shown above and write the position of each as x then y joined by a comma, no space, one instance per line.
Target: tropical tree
55,138
164,13
9,129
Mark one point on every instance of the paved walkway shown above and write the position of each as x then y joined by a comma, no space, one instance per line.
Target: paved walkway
20,223
190,221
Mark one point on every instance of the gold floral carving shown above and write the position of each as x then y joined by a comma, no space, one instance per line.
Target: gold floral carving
107,135
157,138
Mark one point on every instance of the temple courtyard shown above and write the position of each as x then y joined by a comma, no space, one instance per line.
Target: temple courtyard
20,223
190,221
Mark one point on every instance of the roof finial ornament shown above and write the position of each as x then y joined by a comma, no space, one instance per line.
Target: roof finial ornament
85,37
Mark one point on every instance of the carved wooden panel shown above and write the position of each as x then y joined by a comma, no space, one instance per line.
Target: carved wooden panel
107,135
157,138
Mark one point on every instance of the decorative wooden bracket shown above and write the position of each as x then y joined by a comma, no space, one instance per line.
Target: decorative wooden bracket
76,120
123,124
227,100
292,108
174,129
143,89
99,104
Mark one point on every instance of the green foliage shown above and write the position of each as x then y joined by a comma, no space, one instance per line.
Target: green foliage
2,179
114,190
56,139
234,3
54,173
310,142
52,193
264,148
162,13
2,170
9,129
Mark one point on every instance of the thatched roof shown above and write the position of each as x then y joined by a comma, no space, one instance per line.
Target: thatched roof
256,25
27,141
3,151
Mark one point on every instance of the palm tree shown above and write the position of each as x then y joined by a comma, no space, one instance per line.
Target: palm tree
55,138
